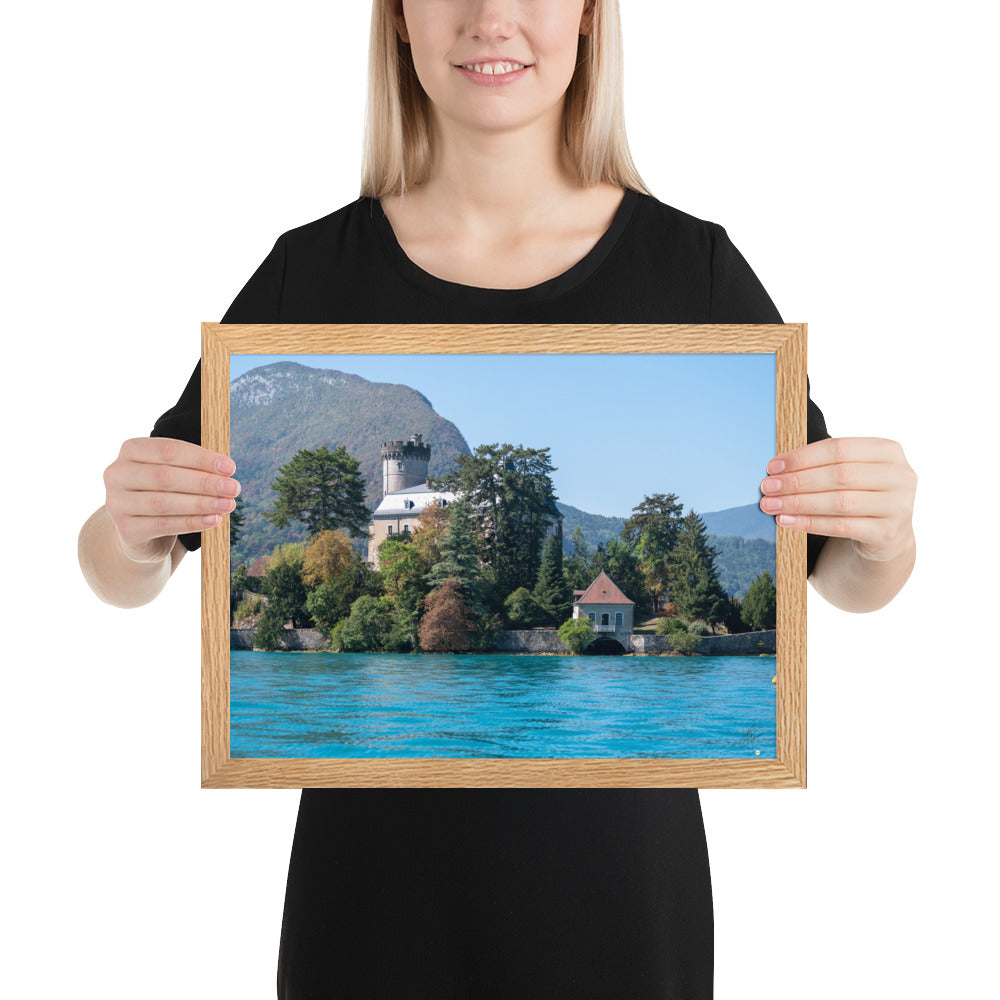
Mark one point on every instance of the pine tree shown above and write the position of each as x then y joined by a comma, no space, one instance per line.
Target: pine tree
577,564
459,557
691,577
552,591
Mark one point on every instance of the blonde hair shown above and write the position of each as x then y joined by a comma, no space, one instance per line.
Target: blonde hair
397,143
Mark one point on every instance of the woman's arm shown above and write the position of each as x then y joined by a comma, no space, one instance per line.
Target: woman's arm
157,488
859,492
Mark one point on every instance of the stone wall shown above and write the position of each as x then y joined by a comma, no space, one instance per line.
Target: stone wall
530,641
295,639
547,641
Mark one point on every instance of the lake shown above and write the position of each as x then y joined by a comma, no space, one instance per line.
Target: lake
500,705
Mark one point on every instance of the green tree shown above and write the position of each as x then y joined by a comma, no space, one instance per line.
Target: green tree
270,629
577,563
552,592
236,522
651,532
512,504
367,627
459,558
759,607
522,610
324,490
331,602
691,577
400,567
283,585
576,634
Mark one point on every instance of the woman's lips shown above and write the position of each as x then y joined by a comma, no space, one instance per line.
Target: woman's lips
495,80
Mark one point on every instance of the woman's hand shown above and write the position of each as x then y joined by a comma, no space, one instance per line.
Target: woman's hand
859,491
158,488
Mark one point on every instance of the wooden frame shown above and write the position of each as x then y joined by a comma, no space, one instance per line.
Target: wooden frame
788,769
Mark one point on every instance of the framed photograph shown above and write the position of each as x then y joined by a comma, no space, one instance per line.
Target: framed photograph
503,556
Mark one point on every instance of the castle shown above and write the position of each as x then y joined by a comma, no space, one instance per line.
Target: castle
405,492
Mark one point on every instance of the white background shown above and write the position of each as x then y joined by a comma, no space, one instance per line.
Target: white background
154,153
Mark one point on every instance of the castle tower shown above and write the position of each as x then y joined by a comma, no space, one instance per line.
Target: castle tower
404,463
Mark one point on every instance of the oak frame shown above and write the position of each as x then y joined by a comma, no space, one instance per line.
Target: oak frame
787,770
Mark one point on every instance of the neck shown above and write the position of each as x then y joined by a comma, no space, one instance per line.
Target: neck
501,179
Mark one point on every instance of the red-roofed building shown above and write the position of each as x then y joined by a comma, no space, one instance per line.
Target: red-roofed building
606,606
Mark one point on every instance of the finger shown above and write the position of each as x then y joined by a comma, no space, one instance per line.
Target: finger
174,452
866,530
137,531
833,451
141,477
842,503
850,476
161,504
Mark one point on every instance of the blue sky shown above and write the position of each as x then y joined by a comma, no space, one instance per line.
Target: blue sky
619,426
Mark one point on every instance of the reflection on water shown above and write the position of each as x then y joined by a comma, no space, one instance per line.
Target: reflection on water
398,705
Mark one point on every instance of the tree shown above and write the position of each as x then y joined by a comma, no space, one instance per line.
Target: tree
324,490
326,554
283,585
759,608
367,626
651,532
432,523
522,610
691,577
459,557
577,564
576,634
512,504
236,522
400,567
552,592
330,602
445,626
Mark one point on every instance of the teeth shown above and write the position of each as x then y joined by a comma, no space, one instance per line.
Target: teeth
495,69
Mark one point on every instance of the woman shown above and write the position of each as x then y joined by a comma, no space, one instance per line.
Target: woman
498,188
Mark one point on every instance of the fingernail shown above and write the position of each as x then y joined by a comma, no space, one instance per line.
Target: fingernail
211,520
224,504
229,487
225,466
775,466
771,504
788,520
770,485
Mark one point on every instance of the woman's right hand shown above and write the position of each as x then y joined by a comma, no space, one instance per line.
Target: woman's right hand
159,488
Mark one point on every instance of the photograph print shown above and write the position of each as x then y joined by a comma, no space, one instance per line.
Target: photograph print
512,557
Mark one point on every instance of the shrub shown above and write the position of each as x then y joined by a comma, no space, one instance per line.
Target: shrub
668,626
685,642
270,630
576,634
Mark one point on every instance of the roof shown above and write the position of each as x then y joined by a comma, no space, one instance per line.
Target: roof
603,590
394,505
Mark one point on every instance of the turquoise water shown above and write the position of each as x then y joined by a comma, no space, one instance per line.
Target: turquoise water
398,705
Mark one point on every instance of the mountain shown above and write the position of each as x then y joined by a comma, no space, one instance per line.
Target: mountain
278,409
748,521
596,528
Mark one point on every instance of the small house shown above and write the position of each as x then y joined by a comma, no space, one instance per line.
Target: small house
608,609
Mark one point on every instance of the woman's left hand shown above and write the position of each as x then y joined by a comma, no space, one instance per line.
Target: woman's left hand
856,488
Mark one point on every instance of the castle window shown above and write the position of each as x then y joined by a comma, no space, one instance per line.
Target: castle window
399,466
388,529
619,619
592,615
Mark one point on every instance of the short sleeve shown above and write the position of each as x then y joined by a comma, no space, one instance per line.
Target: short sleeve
739,297
258,302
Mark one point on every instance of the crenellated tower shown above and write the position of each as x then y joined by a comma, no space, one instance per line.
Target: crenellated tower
404,463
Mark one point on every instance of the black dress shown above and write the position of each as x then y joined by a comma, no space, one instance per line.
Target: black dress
505,893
